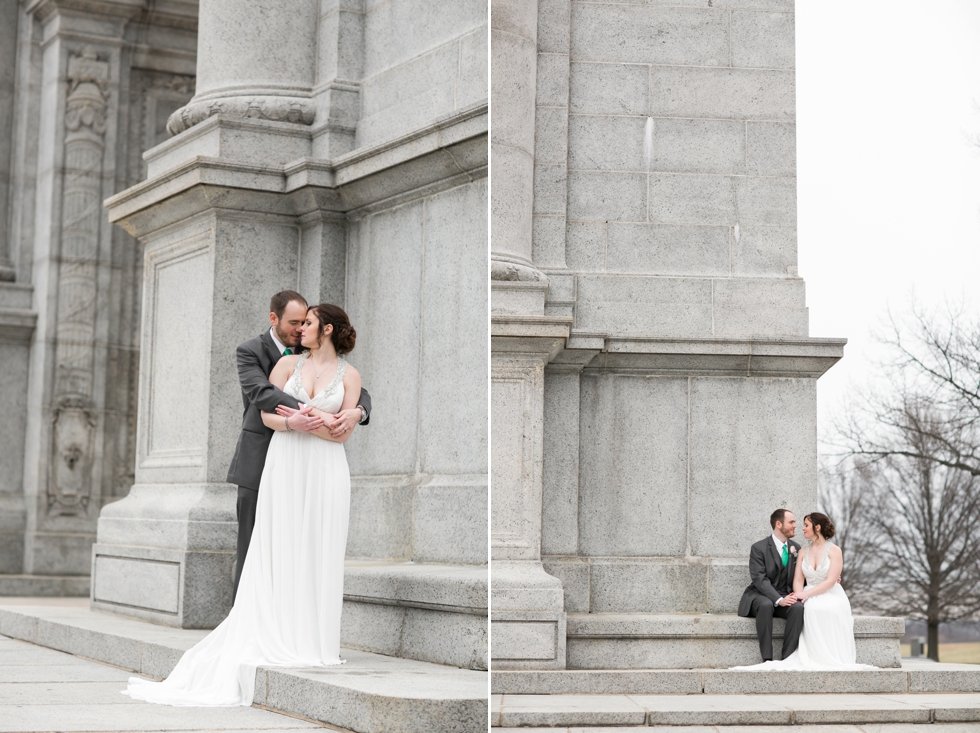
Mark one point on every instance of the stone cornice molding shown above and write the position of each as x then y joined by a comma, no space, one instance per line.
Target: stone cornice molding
452,150
17,325
759,357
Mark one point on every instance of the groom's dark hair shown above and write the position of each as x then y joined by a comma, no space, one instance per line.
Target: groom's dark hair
283,298
777,516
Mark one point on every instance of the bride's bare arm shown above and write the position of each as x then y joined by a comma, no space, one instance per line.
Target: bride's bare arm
352,391
278,378
836,564
798,579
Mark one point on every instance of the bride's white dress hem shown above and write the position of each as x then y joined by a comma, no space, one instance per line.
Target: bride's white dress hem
290,596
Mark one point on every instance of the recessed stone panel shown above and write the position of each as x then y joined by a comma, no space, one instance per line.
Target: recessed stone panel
128,581
753,450
633,475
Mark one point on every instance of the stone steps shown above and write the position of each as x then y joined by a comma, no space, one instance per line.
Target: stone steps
799,728
915,677
372,693
605,641
423,611
590,711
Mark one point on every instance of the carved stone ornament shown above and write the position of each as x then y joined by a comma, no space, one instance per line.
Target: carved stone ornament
508,270
297,110
69,491
74,419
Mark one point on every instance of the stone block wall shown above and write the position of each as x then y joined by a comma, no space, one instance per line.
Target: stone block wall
665,222
416,295
422,61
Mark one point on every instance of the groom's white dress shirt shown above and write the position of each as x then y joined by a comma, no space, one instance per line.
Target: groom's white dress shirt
279,344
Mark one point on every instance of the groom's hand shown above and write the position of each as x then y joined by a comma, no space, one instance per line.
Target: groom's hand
788,600
301,420
343,422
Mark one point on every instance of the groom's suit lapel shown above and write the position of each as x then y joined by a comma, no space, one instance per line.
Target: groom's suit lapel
270,347
774,553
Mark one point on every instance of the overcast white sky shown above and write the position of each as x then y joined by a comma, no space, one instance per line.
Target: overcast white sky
889,181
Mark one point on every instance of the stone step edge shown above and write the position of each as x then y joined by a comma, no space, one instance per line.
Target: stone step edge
719,715
45,586
158,660
731,682
703,626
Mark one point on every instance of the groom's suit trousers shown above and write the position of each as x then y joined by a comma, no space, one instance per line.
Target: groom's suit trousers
764,611
248,499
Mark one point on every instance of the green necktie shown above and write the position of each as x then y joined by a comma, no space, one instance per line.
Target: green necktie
287,352
785,554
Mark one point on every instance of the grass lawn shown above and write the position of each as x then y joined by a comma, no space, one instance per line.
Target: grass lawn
964,653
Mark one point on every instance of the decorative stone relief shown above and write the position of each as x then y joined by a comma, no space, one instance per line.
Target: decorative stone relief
296,110
74,419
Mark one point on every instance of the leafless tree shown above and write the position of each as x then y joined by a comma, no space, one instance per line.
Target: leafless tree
933,391
917,443
846,494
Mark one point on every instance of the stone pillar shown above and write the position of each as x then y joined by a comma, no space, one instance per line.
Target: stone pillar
518,287
9,13
528,615
255,59
213,253
71,272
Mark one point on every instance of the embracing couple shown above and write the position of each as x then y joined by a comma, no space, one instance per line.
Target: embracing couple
802,586
302,400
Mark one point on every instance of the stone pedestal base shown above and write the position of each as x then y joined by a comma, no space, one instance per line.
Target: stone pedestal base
167,554
528,618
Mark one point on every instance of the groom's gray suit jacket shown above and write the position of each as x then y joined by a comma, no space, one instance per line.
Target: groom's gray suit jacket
769,577
256,359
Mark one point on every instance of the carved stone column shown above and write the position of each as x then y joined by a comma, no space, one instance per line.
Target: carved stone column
528,609
517,285
256,59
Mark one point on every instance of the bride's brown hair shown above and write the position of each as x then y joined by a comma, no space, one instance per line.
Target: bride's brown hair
823,521
343,335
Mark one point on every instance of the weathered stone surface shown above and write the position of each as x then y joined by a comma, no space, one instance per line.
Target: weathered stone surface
632,490
370,693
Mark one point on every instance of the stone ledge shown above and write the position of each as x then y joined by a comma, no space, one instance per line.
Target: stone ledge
678,626
756,357
655,641
453,588
426,612
370,694
45,586
721,710
911,678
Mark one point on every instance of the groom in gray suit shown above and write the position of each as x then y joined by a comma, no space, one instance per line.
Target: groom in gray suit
772,564
256,359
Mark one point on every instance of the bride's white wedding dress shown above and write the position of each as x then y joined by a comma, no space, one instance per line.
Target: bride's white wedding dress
827,641
287,612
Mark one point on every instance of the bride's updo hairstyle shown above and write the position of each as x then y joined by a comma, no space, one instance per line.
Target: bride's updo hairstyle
343,335
823,521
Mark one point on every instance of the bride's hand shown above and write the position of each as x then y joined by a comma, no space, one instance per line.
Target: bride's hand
302,420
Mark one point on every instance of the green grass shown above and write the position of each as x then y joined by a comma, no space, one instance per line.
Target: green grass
962,653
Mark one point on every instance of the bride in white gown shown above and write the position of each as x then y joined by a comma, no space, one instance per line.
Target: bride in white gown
287,611
827,641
